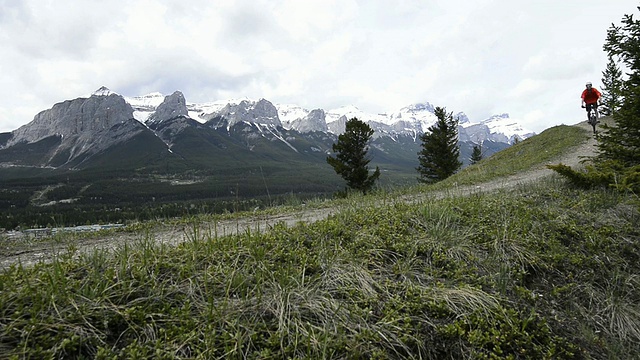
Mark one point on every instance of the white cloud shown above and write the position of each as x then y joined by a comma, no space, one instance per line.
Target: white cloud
483,57
552,64
533,117
311,20
526,88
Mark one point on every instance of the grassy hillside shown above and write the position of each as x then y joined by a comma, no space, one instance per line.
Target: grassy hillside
534,152
542,271
205,170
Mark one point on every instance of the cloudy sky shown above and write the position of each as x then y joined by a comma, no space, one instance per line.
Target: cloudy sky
528,58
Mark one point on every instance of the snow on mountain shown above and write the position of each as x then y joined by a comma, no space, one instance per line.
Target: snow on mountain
503,124
289,113
416,116
411,119
144,105
463,119
215,106
350,111
200,111
150,101
102,91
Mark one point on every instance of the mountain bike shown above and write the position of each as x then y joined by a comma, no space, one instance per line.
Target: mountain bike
593,115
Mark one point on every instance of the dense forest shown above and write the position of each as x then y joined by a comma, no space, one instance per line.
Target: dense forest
106,198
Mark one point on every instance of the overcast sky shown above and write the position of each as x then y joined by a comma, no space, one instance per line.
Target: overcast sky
528,58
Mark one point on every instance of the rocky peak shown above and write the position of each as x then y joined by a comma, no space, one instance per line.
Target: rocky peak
289,113
339,126
497,117
511,129
75,117
315,120
174,105
102,91
462,118
260,112
414,118
420,107
264,112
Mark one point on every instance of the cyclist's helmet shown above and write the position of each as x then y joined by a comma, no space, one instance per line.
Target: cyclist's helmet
589,84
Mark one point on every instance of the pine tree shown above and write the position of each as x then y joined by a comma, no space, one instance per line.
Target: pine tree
618,161
611,89
621,142
476,154
439,157
351,161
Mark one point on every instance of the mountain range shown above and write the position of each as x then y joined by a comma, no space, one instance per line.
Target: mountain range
240,143
413,119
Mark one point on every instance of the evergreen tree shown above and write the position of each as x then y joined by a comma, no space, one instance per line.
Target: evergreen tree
351,161
476,154
611,89
439,157
621,142
618,161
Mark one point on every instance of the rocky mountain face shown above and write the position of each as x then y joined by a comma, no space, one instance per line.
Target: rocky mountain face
79,117
171,107
260,112
81,129
83,126
410,121
315,120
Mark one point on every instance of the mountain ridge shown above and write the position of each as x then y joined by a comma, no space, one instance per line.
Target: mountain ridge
106,150
291,116
412,118
89,127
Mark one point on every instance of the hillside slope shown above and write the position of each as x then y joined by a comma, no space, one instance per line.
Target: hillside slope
29,253
537,269
573,157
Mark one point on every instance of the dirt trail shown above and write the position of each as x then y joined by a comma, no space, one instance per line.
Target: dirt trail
573,159
29,252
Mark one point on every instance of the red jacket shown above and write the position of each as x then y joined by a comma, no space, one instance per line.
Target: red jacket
591,96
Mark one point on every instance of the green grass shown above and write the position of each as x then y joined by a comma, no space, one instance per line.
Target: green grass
544,271
530,153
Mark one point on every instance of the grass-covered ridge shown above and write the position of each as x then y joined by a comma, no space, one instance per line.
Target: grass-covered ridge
523,156
542,271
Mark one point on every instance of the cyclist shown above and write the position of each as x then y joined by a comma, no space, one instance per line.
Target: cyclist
590,98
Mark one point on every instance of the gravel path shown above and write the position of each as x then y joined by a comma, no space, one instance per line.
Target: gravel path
28,252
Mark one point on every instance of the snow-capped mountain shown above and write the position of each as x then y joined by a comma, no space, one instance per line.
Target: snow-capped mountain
503,124
102,91
412,119
143,106
289,113
221,148
350,111
85,127
420,116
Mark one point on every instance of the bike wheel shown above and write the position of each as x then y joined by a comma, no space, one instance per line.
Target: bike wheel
593,120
